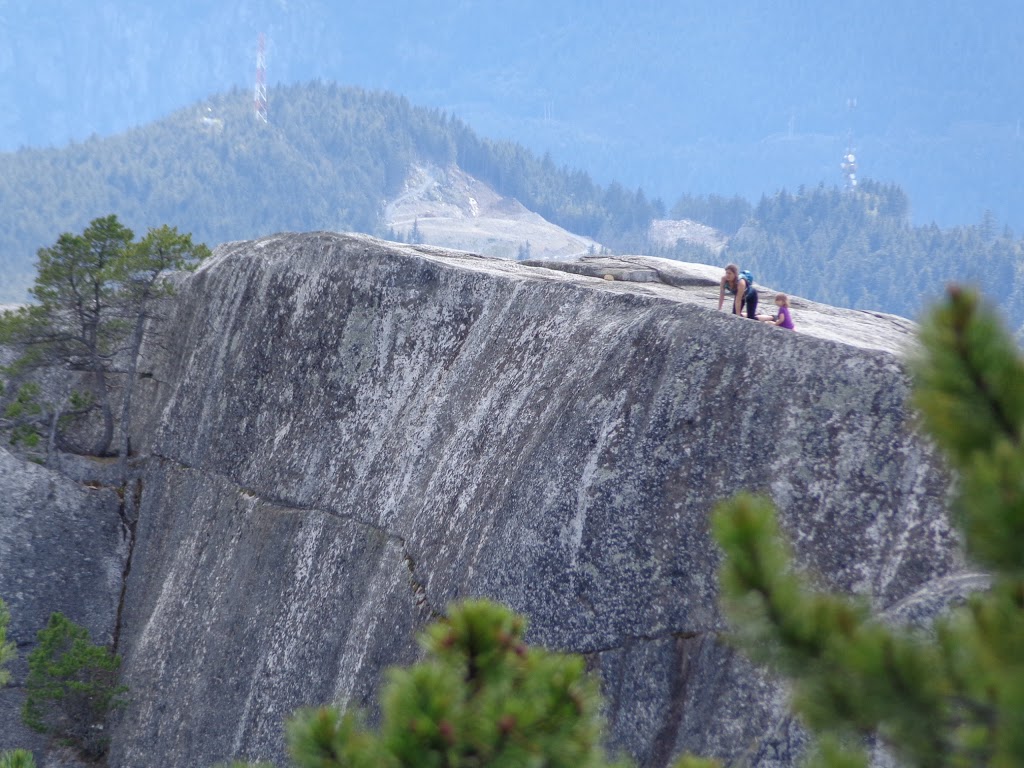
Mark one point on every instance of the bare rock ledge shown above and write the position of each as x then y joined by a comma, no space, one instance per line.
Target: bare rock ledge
343,435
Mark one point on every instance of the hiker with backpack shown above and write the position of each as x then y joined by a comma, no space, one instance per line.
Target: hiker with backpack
741,285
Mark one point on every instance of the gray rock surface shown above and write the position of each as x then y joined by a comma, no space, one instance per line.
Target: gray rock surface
349,434
63,548
450,208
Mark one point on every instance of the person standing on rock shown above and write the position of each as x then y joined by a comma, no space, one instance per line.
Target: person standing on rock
741,286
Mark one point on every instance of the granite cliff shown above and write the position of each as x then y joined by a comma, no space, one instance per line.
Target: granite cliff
342,435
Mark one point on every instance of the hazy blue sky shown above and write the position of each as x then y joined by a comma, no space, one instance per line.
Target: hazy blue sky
731,96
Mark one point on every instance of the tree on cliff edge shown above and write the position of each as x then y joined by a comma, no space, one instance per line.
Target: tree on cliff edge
950,697
93,294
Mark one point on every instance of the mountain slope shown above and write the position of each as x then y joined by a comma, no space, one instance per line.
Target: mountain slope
730,97
448,207
330,159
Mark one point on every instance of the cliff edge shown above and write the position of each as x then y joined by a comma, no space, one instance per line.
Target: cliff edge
344,435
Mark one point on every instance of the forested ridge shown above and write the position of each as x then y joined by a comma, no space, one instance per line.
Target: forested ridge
857,248
330,157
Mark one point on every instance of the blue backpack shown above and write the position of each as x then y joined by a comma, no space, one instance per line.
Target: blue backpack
745,275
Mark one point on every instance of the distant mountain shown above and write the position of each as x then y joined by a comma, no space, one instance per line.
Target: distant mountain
332,158
344,159
448,207
728,97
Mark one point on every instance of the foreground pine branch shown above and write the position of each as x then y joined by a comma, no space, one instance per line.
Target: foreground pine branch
951,697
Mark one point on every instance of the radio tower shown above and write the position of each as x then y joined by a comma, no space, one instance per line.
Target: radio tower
849,164
260,101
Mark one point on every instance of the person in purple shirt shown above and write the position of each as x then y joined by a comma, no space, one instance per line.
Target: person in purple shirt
784,318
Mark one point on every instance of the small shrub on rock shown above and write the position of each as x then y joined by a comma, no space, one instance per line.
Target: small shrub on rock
7,650
71,687
17,758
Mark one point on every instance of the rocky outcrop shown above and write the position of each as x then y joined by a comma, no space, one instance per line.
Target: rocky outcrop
345,435
450,208
63,547
668,233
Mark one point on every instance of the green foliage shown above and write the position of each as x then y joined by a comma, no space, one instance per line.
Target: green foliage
93,293
692,761
971,396
17,758
76,321
24,402
81,273
24,414
162,250
71,686
12,327
8,651
481,697
952,697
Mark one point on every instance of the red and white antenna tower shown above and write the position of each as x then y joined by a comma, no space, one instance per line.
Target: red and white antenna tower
260,101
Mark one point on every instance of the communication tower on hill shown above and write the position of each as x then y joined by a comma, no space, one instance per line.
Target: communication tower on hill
260,100
849,164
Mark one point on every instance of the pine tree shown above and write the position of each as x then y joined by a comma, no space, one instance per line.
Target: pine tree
71,686
93,294
14,758
74,317
142,271
950,697
481,697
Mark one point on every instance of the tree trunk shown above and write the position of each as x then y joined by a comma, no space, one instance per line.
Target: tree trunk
51,442
102,447
126,403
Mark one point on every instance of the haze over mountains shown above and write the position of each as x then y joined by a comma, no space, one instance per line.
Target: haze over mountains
734,97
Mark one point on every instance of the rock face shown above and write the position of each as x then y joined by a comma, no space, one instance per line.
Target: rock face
450,208
346,435
63,547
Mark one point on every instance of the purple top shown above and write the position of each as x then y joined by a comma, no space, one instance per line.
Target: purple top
787,319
